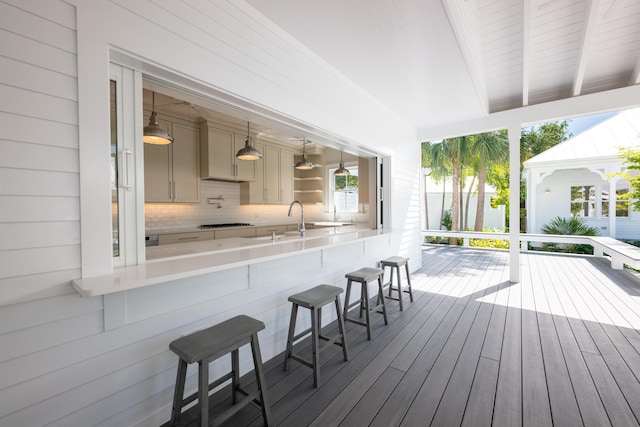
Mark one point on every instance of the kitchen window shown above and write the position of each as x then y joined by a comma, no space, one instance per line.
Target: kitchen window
344,190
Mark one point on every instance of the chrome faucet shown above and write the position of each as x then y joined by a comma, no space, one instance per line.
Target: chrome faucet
301,229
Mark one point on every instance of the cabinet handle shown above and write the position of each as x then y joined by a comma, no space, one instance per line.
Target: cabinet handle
175,194
125,176
170,190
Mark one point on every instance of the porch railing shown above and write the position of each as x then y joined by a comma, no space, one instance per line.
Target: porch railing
620,253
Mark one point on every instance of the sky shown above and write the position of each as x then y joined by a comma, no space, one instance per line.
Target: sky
580,124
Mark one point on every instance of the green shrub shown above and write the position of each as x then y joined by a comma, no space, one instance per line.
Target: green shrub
573,226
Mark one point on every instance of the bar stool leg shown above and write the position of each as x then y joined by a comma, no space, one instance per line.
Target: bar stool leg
365,298
346,299
399,287
341,328
203,391
384,306
406,266
235,378
176,411
315,345
260,380
292,328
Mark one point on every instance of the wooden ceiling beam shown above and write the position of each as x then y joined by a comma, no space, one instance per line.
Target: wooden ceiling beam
635,75
526,50
587,32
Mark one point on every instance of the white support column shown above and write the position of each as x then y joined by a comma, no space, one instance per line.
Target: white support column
612,206
514,131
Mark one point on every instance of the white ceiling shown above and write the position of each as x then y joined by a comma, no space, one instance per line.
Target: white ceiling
445,61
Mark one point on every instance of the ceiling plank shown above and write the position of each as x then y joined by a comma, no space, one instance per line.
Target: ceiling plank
587,32
463,17
526,50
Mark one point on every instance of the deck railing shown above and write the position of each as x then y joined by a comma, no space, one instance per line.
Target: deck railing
620,253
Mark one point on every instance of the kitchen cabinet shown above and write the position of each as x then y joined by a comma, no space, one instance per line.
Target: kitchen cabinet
274,177
236,232
172,172
218,148
195,236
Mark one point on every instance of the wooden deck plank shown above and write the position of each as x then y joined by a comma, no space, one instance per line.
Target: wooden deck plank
614,401
479,410
367,408
592,411
508,404
562,400
471,346
535,396
428,398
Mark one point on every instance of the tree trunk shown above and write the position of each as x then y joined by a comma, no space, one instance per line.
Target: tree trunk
444,188
455,199
482,178
426,203
466,208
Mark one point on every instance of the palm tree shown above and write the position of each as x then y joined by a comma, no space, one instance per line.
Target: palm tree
435,157
488,148
458,151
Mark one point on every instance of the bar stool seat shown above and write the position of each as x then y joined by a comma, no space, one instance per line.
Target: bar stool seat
397,262
208,345
314,299
364,276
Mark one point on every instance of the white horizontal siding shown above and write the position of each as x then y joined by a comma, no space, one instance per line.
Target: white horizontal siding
20,128
15,290
23,22
41,208
35,78
20,262
42,157
27,182
39,234
37,53
38,105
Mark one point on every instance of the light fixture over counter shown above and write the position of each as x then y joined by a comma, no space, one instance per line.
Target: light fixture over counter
304,164
248,152
153,133
342,171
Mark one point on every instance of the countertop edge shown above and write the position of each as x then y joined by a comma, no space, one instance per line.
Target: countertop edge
148,274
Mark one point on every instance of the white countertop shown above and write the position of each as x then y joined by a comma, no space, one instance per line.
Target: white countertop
184,260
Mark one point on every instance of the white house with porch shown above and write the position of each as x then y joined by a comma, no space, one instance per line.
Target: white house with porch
574,178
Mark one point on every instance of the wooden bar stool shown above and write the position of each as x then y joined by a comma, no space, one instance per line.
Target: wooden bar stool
208,345
314,299
397,262
364,276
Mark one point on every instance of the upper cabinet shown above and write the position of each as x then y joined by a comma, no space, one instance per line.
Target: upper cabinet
274,177
172,172
218,148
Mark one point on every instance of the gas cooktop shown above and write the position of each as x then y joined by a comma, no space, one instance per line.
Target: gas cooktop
230,224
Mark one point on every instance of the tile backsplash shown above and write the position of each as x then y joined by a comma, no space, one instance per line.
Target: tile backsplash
163,216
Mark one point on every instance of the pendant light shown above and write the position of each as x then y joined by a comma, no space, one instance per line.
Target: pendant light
153,133
342,171
248,152
304,164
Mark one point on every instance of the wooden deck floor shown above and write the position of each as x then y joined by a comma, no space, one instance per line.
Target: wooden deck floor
560,348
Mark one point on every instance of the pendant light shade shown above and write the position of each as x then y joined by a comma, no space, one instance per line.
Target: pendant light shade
153,133
342,171
248,152
304,164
